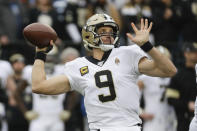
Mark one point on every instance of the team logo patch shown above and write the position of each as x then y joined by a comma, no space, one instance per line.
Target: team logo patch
117,61
84,70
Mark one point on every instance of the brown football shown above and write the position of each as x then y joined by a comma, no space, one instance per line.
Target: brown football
39,34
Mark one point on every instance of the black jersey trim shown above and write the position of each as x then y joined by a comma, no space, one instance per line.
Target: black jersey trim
96,61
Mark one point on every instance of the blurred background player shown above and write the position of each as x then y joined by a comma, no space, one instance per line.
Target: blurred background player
68,54
193,124
157,114
48,112
15,118
182,90
6,71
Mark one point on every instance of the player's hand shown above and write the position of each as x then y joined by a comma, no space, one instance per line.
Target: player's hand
46,49
31,115
65,115
142,35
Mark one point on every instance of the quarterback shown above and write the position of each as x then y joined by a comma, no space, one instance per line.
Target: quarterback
107,79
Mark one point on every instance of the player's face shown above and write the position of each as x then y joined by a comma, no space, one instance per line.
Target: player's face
18,66
106,34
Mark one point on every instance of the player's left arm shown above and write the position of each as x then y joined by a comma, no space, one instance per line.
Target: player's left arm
160,65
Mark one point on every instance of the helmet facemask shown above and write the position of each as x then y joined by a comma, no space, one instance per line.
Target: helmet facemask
90,35
107,46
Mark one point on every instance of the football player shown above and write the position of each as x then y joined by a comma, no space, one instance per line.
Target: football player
48,113
157,114
193,124
107,79
47,110
6,71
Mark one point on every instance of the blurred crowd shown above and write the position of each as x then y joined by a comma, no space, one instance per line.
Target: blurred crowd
174,27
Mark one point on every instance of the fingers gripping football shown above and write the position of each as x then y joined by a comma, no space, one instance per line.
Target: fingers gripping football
46,49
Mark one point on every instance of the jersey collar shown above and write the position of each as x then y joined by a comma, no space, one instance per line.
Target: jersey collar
99,62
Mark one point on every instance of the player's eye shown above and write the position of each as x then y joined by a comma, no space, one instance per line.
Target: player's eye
106,33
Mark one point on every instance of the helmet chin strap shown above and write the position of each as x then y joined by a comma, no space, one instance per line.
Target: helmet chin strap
107,47
104,47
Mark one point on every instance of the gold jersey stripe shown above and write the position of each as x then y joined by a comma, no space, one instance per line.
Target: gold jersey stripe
172,93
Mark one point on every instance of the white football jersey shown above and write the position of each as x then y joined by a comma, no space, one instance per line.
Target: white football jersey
50,105
44,104
27,71
5,71
111,95
156,104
